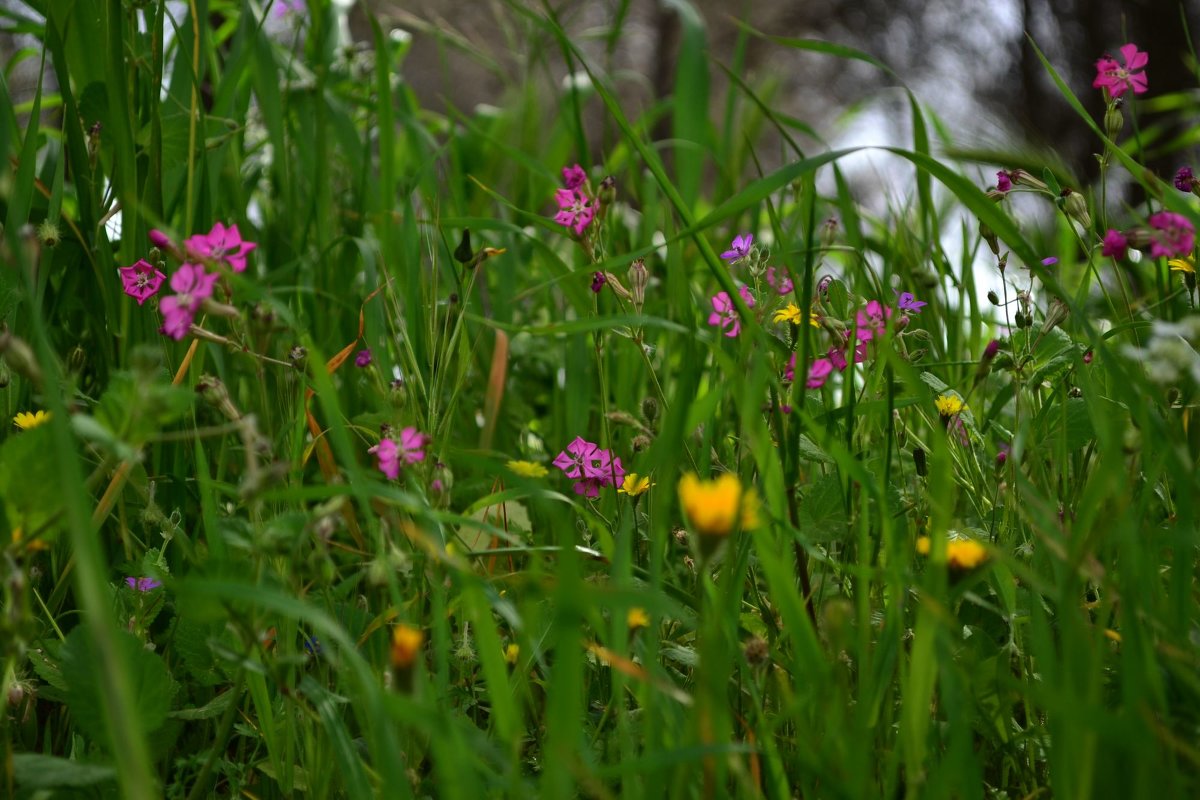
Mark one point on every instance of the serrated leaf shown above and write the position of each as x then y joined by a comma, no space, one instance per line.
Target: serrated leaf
34,771
212,708
822,511
29,482
839,299
47,668
809,451
1078,424
934,382
147,674
680,655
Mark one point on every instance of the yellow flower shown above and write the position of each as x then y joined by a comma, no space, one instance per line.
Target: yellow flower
961,554
1182,265
949,404
528,469
512,653
406,645
637,618
791,313
715,507
26,420
635,484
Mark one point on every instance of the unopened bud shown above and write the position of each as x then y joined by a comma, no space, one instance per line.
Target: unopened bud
608,191
1056,315
1114,120
463,253
919,461
1023,178
650,409
213,391
640,442
49,234
619,290
1075,206
638,276
993,298
18,355
829,232
159,240
989,236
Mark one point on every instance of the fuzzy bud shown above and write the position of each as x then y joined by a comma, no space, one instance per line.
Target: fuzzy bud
49,234
213,391
757,651
919,461
640,442
638,277
1114,120
1075,206
1023,178
650,409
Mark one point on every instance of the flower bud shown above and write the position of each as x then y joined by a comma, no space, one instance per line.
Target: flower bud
1075,206
757,651
49,234
213,391
993,298
1114,120
1023,178
989,236
650,409
829,232
919,461
638,277
160,240
619,290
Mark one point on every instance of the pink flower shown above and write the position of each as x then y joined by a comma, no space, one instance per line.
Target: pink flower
142,281
160,239
818,373
785,285
591,467
412,445
574,177
192,286
598,281
1115,244
1116,79
1175,235
1003,182
221,244
388,456
740,248
873,321
724,314
576,458
363,358
838,358
575,210
142,584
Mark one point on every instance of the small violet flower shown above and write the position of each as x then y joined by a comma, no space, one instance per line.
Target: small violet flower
1049,261
1175,235
574,177
142,281
1118,79
1003,181
192,286
221,244
906,301
1115,244
575,210
740,248
1184,178
142,584
724,313
363,358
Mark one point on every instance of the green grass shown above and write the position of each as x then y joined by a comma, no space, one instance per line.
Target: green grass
818,655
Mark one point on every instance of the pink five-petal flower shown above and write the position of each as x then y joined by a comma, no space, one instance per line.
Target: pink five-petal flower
412,445
740,247
575,210
387,453
1173,237
724,314
837,358
574,177
1115,244
142,281
192,286
818,372
221,244
784,285
1118,79
872,321
573,460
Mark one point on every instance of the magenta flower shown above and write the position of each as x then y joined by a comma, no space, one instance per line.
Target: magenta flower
574,177
590,466
363,358
576,458
784,285
818,373
160,239
724,313
389,458
142,584
1049,261
598,281
1118,79
739,249
989,351
1003,181
1175,235
192,286
873,321
221,244
1184,178
142,281
575,210
906,301
1115,244
285,7
838,358
412,445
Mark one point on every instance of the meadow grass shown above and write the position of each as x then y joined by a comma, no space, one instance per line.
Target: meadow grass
961,565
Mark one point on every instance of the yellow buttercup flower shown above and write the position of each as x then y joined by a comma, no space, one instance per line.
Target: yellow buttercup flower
528,469
949,404
637,618
512,653
406,645
961,554
716,507
791,313
1182,265
26,420
635,484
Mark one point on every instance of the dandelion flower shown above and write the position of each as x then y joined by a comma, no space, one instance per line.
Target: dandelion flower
635,484
637,618
715,508
26,419
948,405
406,645
512,653
961,554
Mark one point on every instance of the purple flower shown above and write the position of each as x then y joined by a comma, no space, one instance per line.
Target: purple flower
363,358
1003,181
990,351
1002,455
818,373
575,210
1183,179
739,249
1175,235
576,458
192,286
1115,244
838,358
221,244
598,281
412,445
1049,261
142,584
142,281
907,302
574,177
724,314
388,458
784,285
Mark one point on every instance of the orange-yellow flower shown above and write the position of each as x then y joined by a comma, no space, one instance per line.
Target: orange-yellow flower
637,618
961,554
717,507
406,645
635,484
26,419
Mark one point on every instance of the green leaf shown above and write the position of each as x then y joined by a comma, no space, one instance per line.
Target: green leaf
213,708
823,510
34,771
29,483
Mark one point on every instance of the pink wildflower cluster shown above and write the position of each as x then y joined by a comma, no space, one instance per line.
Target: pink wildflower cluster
192,284
392,454
576,208
1170,235
592,467
724,314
